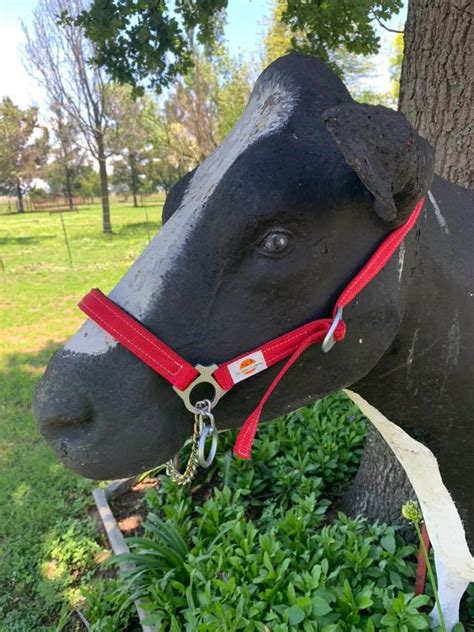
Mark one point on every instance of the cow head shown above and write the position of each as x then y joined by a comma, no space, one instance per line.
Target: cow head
257,240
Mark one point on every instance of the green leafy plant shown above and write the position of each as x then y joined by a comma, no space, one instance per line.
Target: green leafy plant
403,615
256,546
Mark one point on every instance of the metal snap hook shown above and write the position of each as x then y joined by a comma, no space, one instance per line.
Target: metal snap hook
204,413
329,341
202,459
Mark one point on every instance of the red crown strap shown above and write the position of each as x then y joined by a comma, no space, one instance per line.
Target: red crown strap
379,259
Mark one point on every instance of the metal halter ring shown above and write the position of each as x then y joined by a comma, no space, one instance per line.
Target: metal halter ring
204,408
205,377
329,341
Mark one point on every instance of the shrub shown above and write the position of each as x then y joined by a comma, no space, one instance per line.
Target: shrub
252,546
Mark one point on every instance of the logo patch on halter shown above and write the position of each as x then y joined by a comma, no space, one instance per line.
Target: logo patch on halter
247,366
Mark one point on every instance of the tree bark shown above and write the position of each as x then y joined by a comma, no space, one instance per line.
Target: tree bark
70,200
381,487
104,185
436,84
19,195
436,97
133,177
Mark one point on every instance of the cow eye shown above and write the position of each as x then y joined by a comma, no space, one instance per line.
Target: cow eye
275,243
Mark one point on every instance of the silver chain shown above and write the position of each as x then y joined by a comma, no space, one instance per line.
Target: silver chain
204,426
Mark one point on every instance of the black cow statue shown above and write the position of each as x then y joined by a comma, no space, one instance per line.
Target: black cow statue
260,239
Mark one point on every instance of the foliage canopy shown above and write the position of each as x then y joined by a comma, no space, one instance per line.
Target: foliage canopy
147,43
326,26
145,39
23,147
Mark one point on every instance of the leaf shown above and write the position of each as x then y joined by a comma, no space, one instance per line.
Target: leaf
418,621
396,580
267,562
347,590
303,602
320,606
389,619
295,615
364,601
419,601
290,591
388,543
316,575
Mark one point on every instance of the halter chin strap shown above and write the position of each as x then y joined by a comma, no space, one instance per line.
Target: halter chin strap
184,377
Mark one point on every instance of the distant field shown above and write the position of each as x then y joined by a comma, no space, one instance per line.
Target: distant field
48,545
8,205
40,289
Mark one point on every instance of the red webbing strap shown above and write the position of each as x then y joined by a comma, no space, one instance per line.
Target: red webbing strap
276,350
374,265
138,340
244,441
379,259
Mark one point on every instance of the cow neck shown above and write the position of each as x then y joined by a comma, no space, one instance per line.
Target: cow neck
183,376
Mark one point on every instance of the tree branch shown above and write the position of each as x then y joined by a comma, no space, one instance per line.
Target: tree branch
376,17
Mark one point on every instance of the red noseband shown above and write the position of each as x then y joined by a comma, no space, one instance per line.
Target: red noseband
184,377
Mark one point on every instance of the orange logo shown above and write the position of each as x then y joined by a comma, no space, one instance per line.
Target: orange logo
247,366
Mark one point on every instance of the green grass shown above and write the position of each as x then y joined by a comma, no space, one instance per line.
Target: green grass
49,544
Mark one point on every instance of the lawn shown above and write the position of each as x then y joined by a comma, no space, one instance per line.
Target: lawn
48,542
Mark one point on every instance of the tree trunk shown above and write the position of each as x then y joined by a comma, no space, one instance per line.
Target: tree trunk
435,96
70,200
104,185
436,82
134,177
381,487
19,195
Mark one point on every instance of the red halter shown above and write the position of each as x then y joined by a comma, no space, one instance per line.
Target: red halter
184,377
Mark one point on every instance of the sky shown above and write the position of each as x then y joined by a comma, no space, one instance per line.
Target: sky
246,24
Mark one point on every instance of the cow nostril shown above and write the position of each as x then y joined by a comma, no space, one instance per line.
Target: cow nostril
59,407
63,451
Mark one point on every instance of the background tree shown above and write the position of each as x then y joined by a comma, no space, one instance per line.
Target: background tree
322,27
57,56
196,116
287,33
147,44
23,149
134,38
87,184
85,181
130,136
68,154
277,36
396,60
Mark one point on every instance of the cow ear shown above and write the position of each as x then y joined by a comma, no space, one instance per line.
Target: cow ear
390,158
175,195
